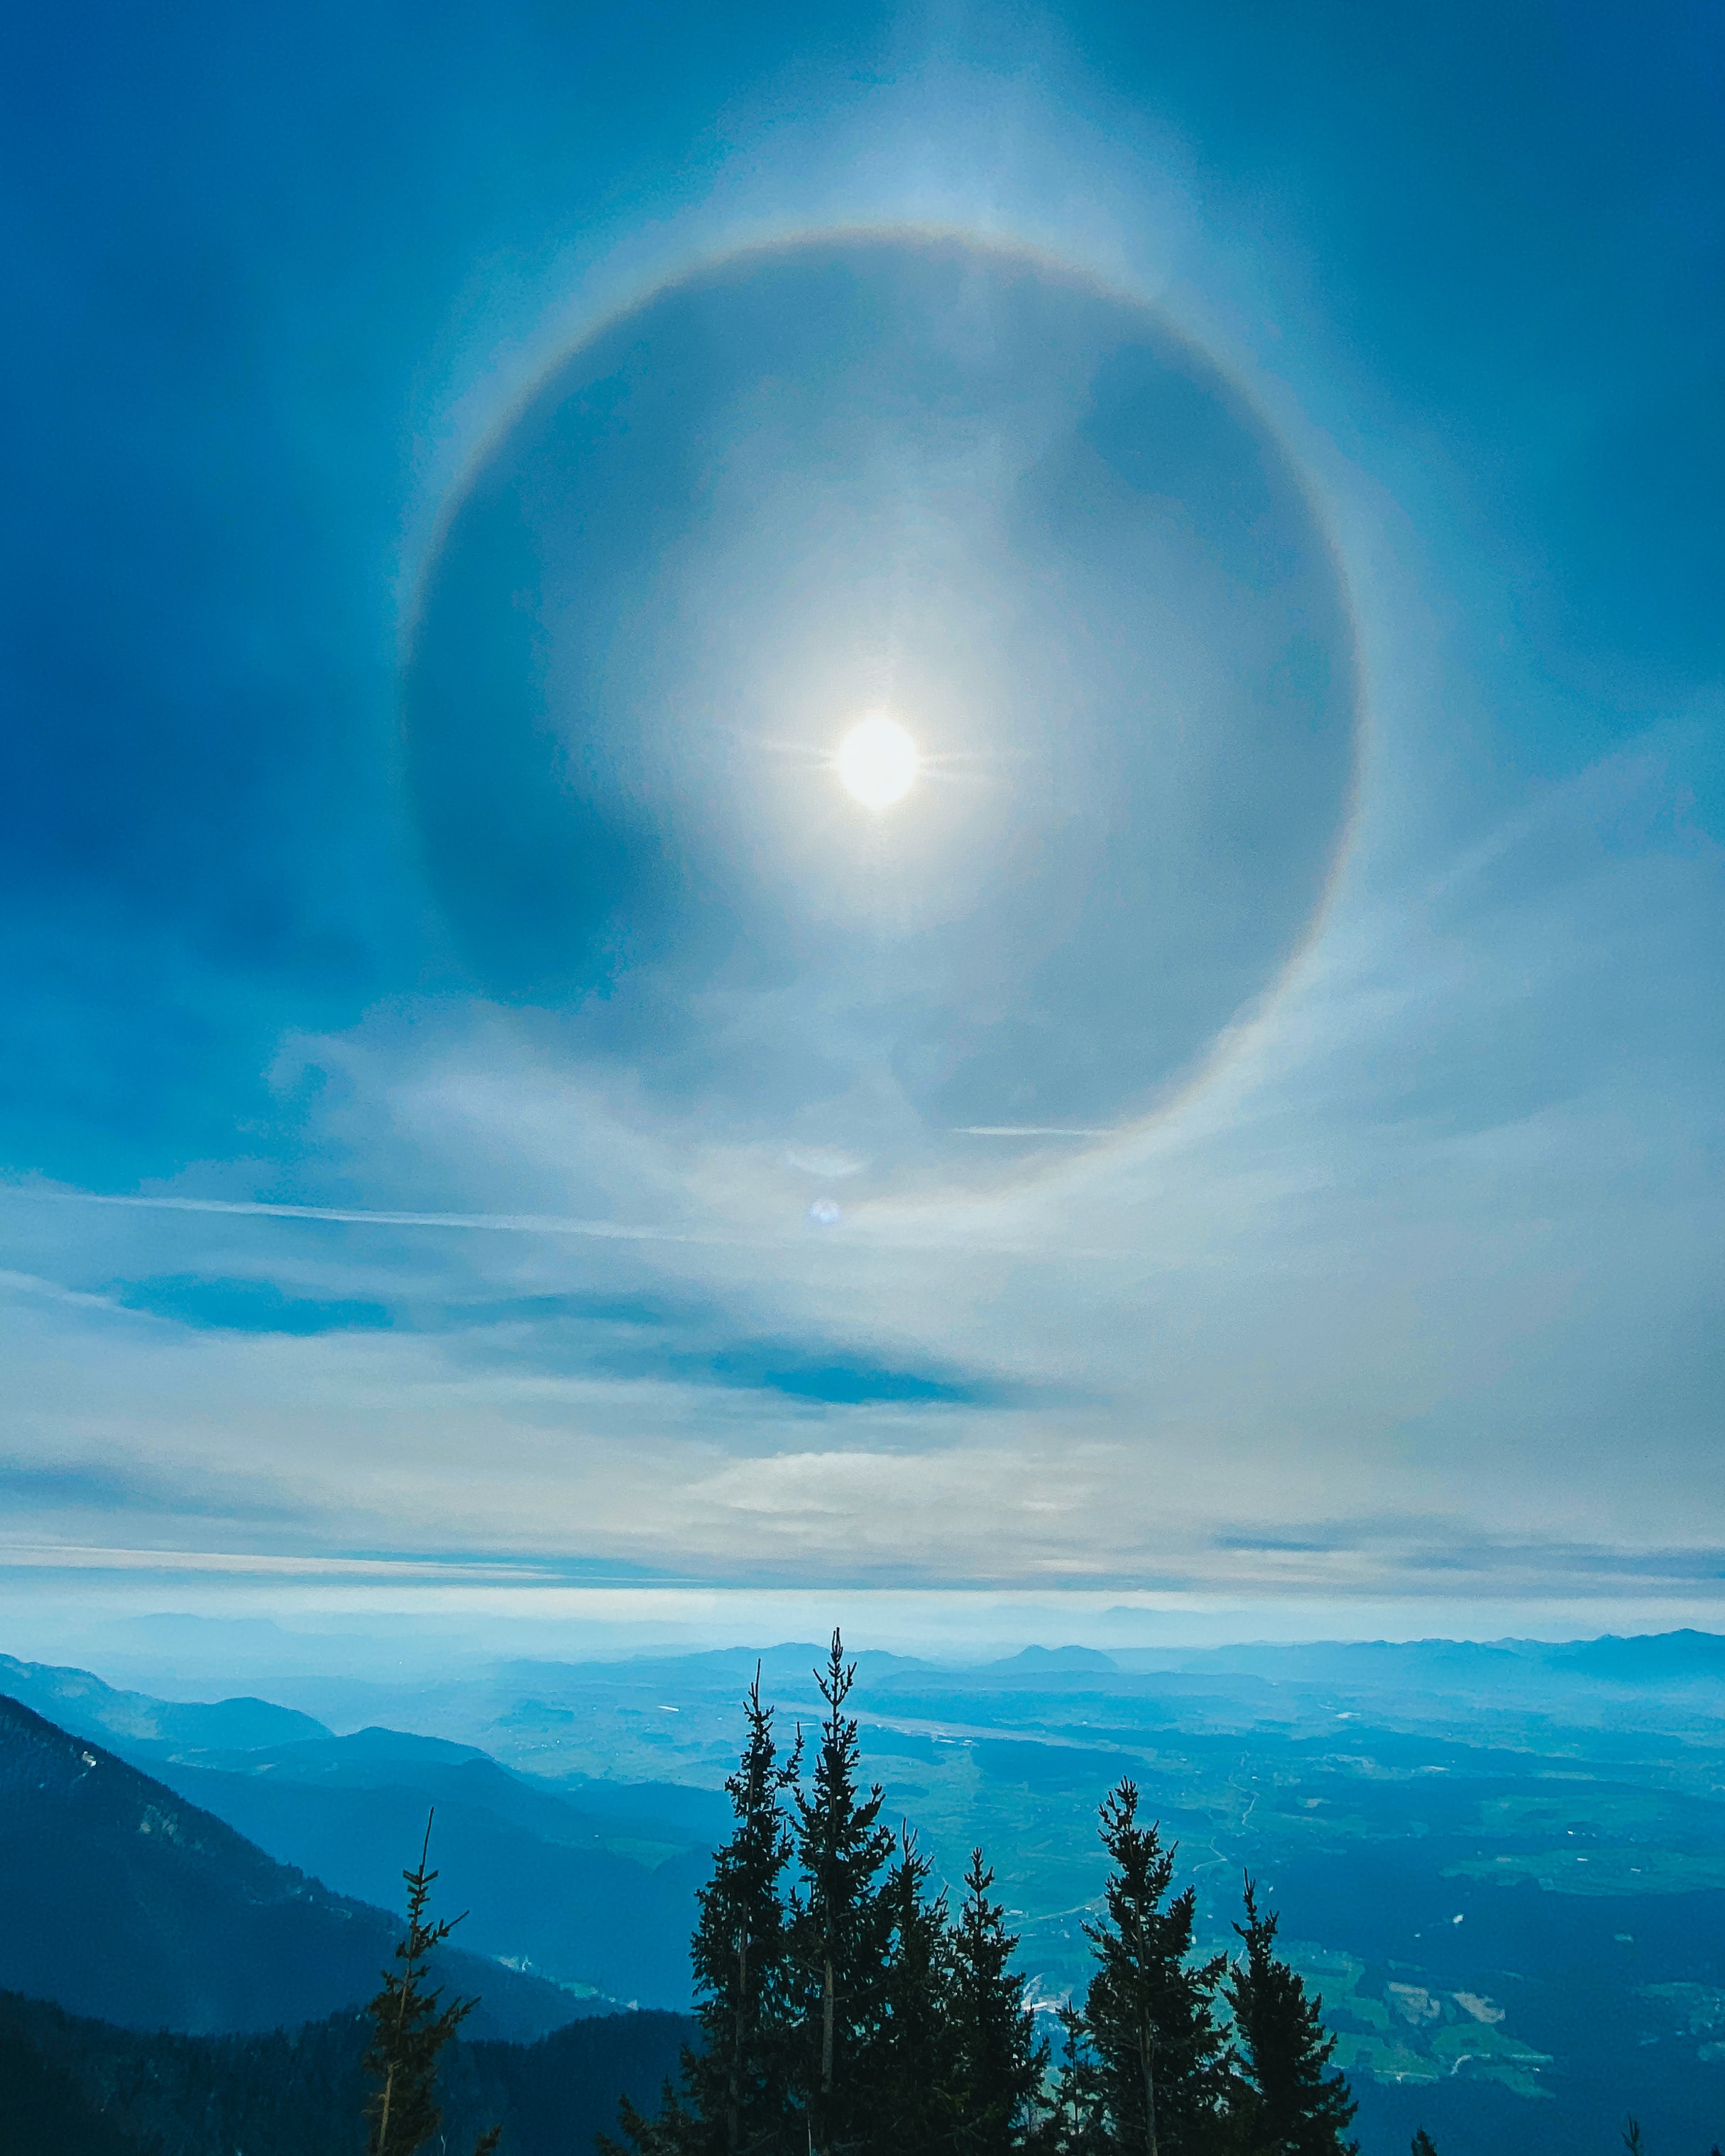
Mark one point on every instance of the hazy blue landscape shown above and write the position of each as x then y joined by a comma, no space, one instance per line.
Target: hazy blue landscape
1503,1865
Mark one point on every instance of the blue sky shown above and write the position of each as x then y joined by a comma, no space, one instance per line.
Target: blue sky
1397,1275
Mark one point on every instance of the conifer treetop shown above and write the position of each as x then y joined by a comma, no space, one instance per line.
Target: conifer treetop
410,2026
1294,2103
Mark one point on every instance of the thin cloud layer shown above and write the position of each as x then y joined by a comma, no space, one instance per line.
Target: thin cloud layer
341,1233
1315,1331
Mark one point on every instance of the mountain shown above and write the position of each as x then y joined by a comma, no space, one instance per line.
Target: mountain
1467,1667
78,2087
124,1902
725,1670
1038,1661
597,1894
1396,1665
1657,1658
75,1701
601,1901
663,1819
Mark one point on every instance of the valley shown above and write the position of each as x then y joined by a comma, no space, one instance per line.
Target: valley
1506,1874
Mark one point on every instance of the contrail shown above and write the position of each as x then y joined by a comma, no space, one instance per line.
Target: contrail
552,1224
521,1223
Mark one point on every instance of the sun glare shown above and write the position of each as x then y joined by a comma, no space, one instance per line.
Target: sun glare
877,761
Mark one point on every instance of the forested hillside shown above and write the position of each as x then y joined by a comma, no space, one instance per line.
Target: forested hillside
580,1899
74,2088
125,1903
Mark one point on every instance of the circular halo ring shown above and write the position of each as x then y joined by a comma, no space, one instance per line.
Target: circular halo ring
1046,1140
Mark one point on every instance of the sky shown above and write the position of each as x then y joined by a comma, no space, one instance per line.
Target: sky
488,1124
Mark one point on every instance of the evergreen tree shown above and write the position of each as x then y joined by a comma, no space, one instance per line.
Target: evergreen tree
409,2028
1422,2143
998,2062
912,2073
672,2130
738,2085
1161,2075
1289,2104
1076,2126
740,2082
841,1926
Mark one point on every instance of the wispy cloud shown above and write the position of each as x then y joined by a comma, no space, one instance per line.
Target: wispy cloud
1485,1315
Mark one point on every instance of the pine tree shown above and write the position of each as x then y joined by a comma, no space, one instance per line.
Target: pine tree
998,2062
1076,2125
740,2083
1422,2143
841,1926
1160,2077
409,2029
736,2098
1289,2104
672,2130
912,2071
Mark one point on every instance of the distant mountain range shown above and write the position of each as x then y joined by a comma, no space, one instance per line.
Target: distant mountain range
1658,1658
76,1701
1655,1661
593,1889
124,1902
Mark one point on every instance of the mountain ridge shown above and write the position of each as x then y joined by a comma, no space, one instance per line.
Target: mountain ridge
78,1702
200,1928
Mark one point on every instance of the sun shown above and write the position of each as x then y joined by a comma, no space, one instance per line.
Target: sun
877,761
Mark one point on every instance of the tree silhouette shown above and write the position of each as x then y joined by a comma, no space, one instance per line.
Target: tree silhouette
911,2072
840,1924
409,2028
998,2062
1158,2080
1290,2103
740,2080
